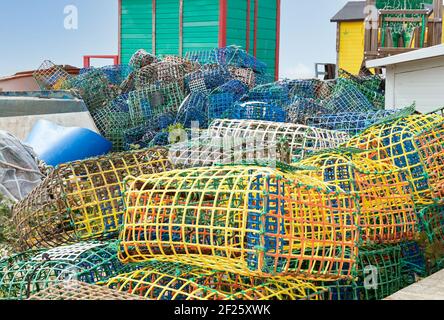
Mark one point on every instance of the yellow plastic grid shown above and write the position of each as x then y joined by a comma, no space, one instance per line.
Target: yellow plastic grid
82,200
431,147
386,207
246,220
167,282
396,142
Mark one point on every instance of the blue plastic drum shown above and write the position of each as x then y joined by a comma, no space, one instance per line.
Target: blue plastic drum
56,145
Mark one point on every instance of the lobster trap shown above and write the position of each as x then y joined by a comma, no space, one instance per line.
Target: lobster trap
432,223
345,97
207,79
386,208
28,273
80,291
276,93
116,74
160,73
300,140
206,151
379,272
154,100
228,56
82,200
243,219
255,110
352,123
50,76
142,58
246,76
173,281
302,109
396,140
193,110
308,89
94,88
431,150
413,262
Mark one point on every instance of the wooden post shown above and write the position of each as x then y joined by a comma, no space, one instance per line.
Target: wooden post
437,32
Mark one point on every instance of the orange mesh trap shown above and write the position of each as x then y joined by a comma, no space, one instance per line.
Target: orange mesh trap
246,220
167,281
396,141
386,208
82,200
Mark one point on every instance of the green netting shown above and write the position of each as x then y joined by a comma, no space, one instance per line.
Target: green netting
27,273
379,271
402,4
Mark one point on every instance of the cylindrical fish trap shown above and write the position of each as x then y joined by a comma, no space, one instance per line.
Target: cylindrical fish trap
25,274
396,141
246,220
167,281
379,272
207,151
301,139
431,149
386,208
82,200
80,291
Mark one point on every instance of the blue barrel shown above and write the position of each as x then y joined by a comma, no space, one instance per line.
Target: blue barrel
56,145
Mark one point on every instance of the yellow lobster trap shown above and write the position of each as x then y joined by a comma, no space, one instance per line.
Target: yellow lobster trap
396,141
82,200
386,207
246,220
168,281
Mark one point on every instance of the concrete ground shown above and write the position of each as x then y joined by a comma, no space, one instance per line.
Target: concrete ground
431,288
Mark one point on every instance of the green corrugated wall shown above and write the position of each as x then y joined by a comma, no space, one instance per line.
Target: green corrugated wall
136,27
200,27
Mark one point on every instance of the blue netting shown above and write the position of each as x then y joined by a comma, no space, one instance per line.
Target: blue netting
352,123
220,105
276,93
139,136
115,74
413,262
257,110
194,109
273,242
207,79
304,88
347,98
229,56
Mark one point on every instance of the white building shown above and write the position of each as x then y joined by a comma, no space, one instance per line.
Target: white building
416,76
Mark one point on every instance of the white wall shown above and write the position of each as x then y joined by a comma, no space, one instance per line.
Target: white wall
420,81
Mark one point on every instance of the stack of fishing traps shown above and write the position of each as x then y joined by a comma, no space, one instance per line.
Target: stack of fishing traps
230,186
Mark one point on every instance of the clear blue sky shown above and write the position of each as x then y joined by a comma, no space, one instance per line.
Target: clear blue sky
33,30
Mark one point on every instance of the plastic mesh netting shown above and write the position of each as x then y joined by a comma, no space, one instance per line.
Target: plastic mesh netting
396,141
19,170
27,273
50,76
80,291
82,200
167,281
379,272
386,208
301,139
351,122
413,261
246,220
